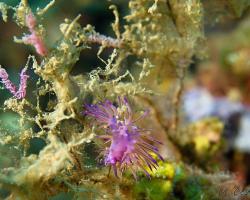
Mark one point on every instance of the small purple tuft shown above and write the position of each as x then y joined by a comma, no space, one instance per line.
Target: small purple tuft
7,83
128,146
21,92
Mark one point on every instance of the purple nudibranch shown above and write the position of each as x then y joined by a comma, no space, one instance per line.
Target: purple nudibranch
128,146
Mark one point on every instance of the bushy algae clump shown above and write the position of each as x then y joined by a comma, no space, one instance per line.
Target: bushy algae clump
162,36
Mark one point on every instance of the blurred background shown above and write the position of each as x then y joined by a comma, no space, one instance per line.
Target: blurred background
217,86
